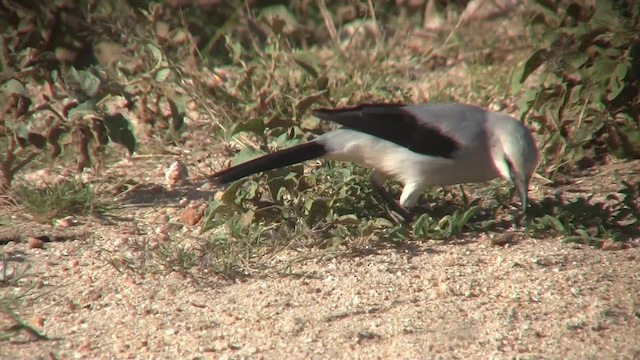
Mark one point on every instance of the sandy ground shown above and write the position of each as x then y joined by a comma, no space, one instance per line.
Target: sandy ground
531,299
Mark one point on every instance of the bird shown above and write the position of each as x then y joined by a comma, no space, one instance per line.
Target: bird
418,145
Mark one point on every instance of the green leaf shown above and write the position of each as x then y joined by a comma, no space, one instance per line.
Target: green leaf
177,116
277,121
22,142
322,83
231,193
602,69
574,10
277,17
317,210
527,101
99,131
548,5
548,9
634,59
247,192
617,82
72,75
269,49
254,125
348,219
586,39
306,67
120,132
305,103
14,86
468,215
277,25
606,15
163,74
21,133
245,155
576,96
383,223
86,108
156,52
280,181
211,218
552,222
234,46
286,140
310,123
579,60
421,226
89,83
534,62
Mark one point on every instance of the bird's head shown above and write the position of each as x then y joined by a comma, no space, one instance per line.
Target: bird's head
515,154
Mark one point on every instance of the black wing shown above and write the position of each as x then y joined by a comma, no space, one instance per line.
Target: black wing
392,122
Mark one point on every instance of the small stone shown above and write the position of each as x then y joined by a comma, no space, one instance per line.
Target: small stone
38,321
176,175
142,344
503,239
161,237
610,245
65,222
84,347
35,243
192,215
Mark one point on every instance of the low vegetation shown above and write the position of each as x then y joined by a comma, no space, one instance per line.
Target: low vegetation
81,88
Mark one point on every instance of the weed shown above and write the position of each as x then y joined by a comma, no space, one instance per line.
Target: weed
586,103
134,257
68,197
590,222
10,277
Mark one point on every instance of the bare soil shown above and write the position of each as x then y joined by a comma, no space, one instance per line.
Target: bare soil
532,299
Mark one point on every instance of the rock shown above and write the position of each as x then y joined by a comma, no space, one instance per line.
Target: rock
176,175
503,239
193,214
35,243
611,245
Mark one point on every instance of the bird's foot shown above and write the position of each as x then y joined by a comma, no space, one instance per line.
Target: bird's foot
394,206
395,209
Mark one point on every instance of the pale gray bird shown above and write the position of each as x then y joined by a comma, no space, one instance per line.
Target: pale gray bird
419,145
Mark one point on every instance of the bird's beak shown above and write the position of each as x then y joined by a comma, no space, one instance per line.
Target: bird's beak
522,186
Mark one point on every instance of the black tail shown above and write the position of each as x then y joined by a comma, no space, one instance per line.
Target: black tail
278,159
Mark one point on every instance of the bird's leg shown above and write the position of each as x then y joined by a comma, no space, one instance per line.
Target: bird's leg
377,180
410,194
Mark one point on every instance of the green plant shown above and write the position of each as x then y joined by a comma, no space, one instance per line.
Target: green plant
587,221
447,226
10,277
58,200
244,248
75,108
586,100
280,84
66,105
